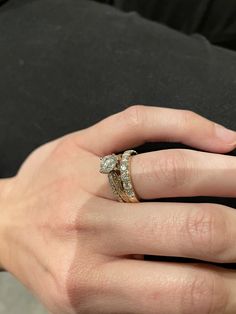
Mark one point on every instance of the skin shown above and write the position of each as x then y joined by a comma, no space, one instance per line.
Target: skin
80,251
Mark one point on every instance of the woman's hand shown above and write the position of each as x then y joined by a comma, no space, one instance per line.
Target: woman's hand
64,236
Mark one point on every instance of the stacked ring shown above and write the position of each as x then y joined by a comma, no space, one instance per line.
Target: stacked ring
125,171
119,174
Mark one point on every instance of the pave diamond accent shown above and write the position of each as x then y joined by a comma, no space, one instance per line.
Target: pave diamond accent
118,169
108,163
123,166
125,175
130,193
114,186
127,185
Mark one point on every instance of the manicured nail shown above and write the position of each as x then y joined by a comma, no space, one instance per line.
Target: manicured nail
226,135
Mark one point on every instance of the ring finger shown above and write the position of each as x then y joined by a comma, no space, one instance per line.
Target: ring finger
176,173
164,173
202,231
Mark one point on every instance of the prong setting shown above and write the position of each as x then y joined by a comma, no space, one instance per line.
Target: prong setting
108,163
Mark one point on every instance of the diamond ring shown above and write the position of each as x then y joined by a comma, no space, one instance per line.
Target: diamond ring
118,169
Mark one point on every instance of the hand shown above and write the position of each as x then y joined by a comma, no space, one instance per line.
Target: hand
66,238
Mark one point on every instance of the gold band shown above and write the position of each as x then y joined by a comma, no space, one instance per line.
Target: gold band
115,182
125,171
116,186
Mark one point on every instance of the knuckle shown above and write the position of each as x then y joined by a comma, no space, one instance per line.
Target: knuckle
188,116
62,147
188,120
65,148
72,289
205,294
78,288
134,115
206,228
78,224
172,167
71,215
84,285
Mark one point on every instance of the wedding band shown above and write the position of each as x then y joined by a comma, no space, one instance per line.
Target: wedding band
125,172
117,187
118,169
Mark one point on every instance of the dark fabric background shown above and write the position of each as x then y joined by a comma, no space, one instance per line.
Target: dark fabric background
65,64
215,19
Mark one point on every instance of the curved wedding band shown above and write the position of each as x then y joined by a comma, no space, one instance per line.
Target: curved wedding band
118,168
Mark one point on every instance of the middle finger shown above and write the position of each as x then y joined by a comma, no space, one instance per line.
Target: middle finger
200,230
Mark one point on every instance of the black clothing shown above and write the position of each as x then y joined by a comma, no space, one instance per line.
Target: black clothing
215,19
65,64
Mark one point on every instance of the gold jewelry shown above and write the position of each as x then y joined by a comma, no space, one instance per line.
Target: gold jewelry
110,165
125,171
117,187
118,169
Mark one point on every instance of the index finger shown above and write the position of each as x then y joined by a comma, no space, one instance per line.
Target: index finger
138,124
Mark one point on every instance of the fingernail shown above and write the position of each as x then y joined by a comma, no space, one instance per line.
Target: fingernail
226,135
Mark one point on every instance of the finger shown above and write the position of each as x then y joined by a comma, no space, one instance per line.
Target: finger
139,124
144,287
176,173
201,231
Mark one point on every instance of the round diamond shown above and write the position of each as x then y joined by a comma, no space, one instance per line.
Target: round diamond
125,176
130,192
123,166
127,185
129,152
108,163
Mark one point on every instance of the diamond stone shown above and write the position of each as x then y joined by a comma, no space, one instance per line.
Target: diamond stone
123,166
125,176
130,192
127,185
108,163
